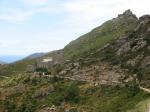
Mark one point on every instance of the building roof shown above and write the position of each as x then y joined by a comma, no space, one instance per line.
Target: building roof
47,59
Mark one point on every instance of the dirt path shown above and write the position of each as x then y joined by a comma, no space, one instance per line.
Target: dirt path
145,89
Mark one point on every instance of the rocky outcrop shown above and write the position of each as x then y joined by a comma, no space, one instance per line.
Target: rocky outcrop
128,13
136,60
43,92
133,51
99,73
139,45
124,48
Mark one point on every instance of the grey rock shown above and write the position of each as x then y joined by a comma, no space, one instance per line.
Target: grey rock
139,45
124,49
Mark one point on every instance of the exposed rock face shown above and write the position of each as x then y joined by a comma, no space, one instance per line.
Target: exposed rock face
124,48
144,19
128,13
140,44
100,73
136,60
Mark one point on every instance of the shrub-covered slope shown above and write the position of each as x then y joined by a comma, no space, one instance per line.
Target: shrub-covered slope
26,93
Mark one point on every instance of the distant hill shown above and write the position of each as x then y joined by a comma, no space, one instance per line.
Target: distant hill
11,58
35,55
20,66
2,62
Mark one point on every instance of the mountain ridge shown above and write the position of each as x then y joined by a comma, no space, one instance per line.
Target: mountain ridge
103,34
35,55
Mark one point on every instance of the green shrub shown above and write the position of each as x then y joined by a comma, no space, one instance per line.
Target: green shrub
68,92
9,105
72,93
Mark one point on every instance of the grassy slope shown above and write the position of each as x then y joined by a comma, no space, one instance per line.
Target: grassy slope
98,37
142,106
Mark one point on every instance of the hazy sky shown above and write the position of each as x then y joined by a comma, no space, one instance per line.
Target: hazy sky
28,26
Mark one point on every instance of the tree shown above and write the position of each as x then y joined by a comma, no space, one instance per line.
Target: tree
42,70
72,93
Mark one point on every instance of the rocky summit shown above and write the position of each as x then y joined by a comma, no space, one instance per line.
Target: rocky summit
105,70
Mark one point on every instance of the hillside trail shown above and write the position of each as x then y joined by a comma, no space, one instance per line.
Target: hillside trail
145,89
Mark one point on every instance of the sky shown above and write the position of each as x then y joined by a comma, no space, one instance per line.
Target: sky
29,26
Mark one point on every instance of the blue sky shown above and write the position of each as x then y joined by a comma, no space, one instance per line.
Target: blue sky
29,26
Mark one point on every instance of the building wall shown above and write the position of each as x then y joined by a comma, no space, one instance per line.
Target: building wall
45,64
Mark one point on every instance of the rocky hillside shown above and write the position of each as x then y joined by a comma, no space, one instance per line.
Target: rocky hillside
131,52
127,55
121,59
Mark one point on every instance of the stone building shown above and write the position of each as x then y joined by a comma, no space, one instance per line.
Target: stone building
45,63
